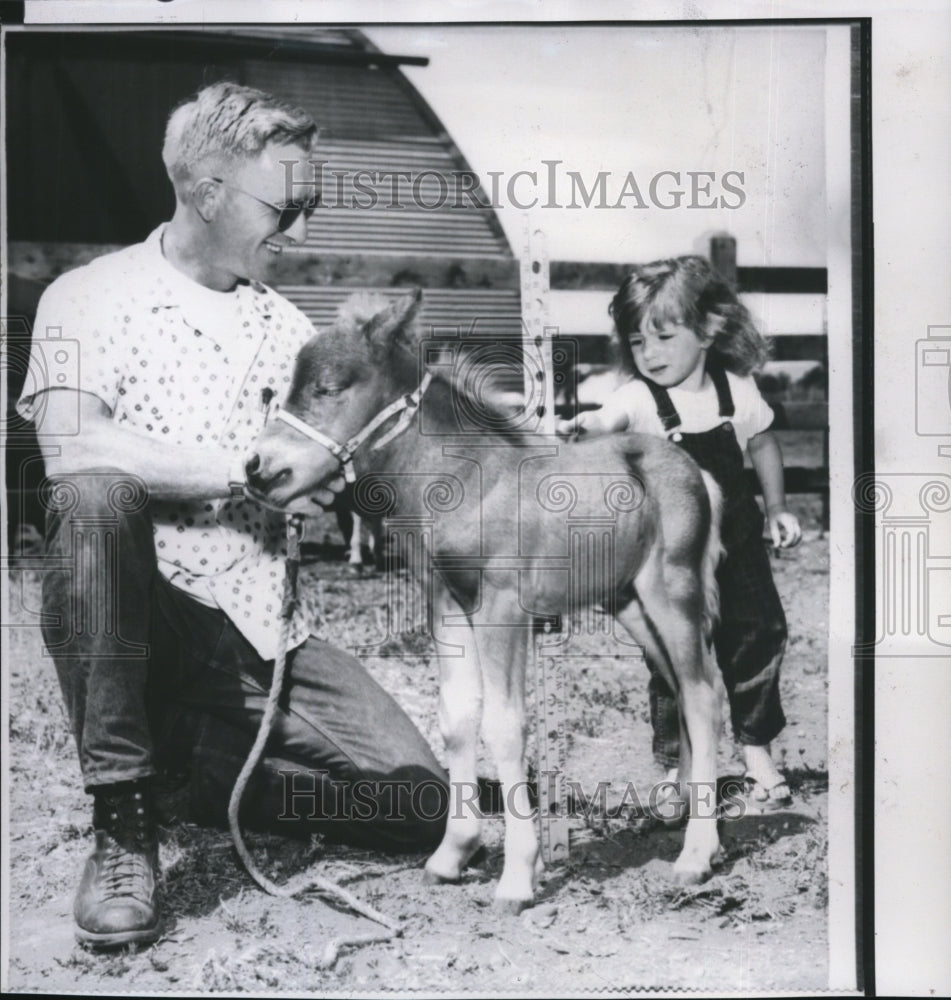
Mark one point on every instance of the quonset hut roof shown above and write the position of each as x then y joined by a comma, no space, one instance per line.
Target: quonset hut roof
401,204
377,130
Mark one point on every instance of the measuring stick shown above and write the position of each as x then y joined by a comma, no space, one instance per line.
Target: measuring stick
536,331
539,379
551,738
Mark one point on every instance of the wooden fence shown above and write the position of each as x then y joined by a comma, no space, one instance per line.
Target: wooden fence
488,307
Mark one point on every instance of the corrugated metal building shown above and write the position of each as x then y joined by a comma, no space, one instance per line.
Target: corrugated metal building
86,118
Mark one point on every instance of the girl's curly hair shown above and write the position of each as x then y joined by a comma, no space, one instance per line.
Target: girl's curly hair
688,291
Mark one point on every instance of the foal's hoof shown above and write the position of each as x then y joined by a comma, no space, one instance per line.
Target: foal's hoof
512,906
691,876
435,878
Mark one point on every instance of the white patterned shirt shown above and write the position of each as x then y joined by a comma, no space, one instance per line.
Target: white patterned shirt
184,364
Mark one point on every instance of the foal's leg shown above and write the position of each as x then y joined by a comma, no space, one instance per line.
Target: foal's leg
633,618
460,711
669,592
355,557
503,653
345,522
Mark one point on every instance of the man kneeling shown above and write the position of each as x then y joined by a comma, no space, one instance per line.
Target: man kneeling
165,595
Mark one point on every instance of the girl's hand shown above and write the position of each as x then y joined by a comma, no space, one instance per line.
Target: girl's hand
591,422
784,529
570,428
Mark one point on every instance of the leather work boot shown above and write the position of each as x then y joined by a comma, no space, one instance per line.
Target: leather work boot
117,902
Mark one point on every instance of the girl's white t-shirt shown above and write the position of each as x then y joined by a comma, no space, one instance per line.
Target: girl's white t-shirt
699,411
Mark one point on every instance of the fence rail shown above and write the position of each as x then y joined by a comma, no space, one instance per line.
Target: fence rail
493,310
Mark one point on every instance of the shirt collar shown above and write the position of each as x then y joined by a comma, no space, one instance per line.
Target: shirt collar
152,252
252,295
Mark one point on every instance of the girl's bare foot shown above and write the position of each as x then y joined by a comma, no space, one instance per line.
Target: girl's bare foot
766,788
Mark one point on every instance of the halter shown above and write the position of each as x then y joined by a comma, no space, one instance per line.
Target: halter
406,405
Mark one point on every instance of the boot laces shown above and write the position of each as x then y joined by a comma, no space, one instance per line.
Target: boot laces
127,873
127,868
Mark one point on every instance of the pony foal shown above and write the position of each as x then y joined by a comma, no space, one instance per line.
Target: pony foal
494,508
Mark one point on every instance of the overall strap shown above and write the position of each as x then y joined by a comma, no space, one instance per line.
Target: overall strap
666,411
722,385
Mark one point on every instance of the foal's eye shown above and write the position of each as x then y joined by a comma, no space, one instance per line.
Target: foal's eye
328,390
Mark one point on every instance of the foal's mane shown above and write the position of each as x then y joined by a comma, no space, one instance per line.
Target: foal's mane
503,411
503,417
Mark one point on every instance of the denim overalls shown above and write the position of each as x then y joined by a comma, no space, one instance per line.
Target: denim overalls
750,636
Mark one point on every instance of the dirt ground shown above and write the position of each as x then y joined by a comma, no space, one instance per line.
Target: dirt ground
610,917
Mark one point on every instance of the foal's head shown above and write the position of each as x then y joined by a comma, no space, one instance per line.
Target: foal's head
343,377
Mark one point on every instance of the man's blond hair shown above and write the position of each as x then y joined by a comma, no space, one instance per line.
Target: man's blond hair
226,121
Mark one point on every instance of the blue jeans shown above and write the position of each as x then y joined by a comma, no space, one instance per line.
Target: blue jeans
156,682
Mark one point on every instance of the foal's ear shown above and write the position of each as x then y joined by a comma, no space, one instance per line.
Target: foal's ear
395,322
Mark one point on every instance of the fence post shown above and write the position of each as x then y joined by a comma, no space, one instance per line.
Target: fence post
723,257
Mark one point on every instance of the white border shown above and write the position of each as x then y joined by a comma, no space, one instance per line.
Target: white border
840,917
841,702
911,160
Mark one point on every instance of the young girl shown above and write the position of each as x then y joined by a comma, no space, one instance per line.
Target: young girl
691,346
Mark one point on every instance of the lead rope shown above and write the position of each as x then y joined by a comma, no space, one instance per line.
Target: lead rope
307,880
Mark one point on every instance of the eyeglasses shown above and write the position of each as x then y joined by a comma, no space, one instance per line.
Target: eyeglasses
287,214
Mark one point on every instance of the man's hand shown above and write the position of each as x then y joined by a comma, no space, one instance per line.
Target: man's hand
324,497
306,503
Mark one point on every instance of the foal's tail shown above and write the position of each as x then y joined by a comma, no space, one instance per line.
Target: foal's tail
712,551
